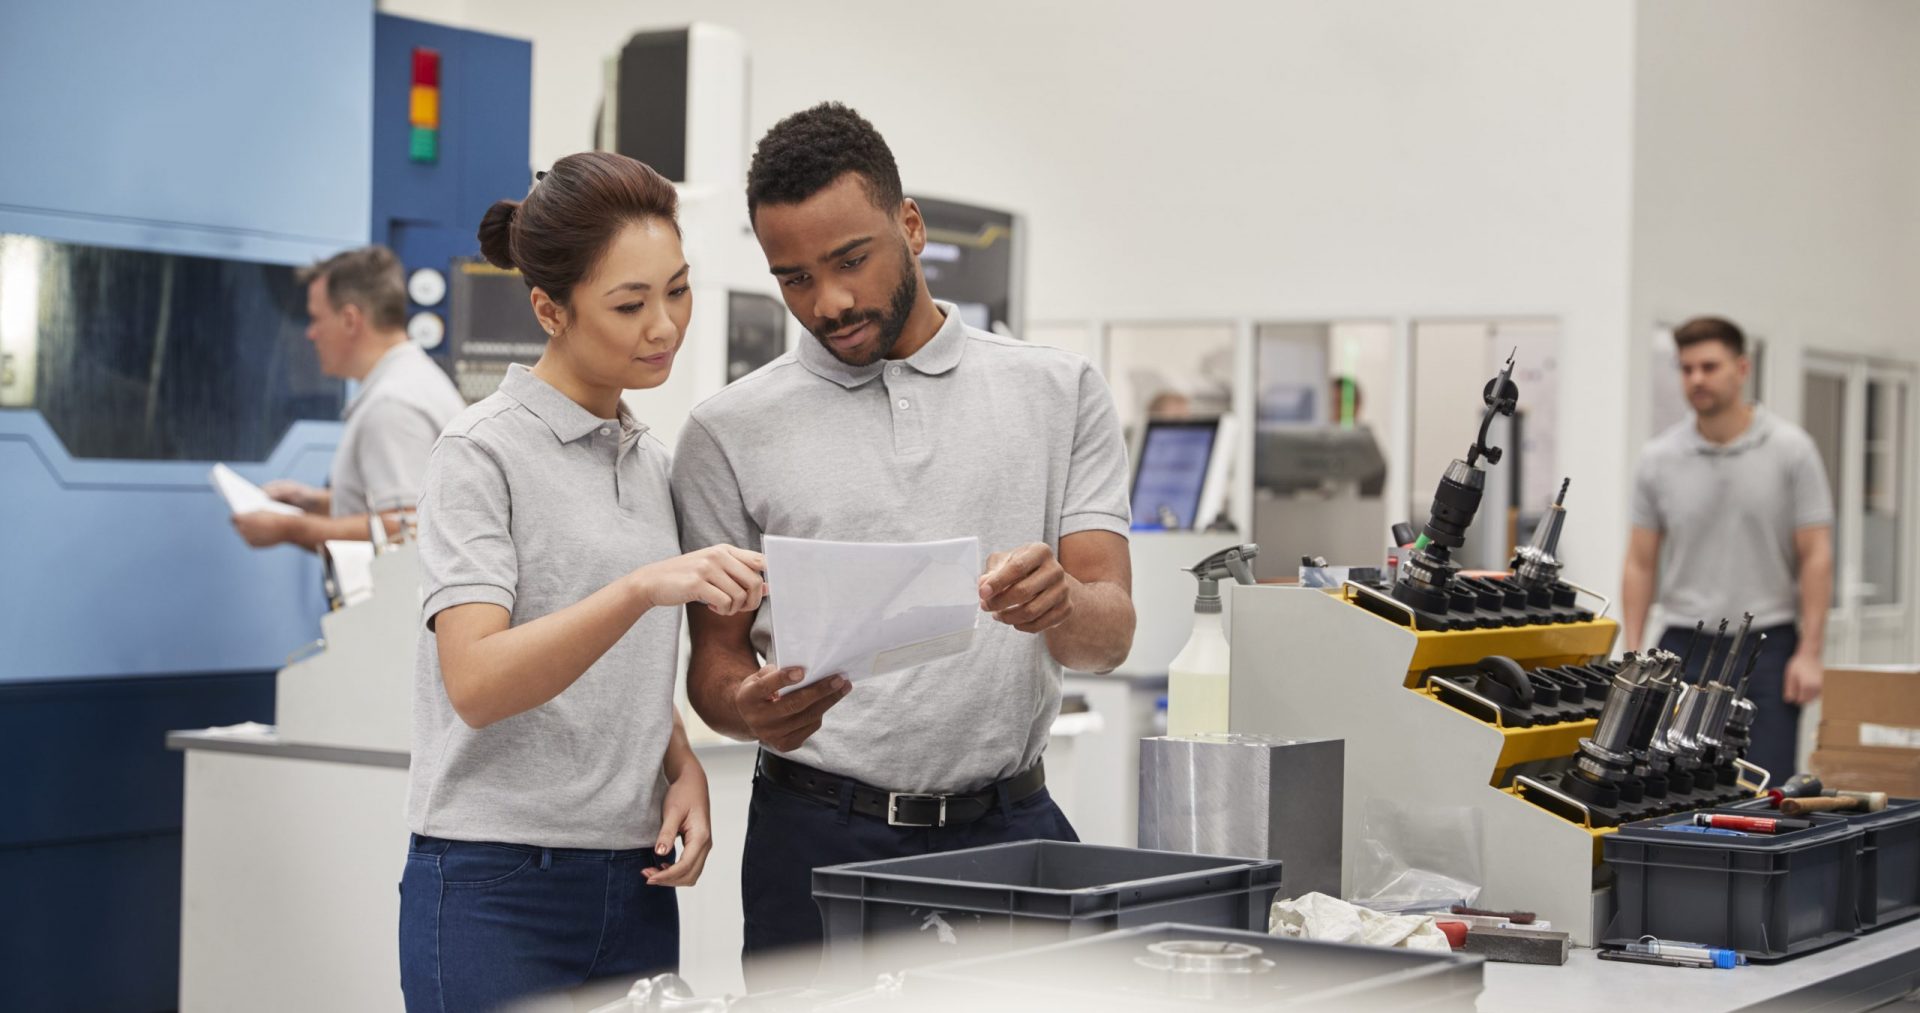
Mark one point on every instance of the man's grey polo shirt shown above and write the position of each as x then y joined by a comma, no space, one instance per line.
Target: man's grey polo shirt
1727,515
975,434
402,406
532,504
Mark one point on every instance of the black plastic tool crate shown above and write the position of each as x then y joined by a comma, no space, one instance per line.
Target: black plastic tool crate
1889,862
1769,897
1889,859
889,915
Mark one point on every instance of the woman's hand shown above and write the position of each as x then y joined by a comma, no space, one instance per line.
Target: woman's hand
685,814
727,580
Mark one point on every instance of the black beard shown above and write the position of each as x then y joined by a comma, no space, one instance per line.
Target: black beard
892,321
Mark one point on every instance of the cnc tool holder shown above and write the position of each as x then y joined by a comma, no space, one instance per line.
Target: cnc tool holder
1307,663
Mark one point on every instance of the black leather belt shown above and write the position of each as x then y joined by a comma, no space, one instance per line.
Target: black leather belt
902,808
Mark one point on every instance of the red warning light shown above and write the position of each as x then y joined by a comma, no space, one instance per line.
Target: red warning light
426,67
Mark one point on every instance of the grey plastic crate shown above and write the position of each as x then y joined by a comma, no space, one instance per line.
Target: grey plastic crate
1889,863
1767,897
907,912
1889,860
1131,970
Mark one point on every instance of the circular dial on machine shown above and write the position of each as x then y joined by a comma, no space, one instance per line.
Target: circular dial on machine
427,286
427,329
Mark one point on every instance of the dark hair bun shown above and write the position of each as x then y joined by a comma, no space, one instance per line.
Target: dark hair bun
496,233
571,216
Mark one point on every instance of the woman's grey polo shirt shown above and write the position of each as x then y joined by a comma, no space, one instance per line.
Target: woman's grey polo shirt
532,503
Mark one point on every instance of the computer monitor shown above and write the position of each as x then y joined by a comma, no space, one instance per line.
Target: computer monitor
1175,459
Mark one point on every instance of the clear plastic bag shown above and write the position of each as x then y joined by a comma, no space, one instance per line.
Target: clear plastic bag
1417,858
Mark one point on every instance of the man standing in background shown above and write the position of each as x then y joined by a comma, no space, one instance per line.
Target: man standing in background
357,302
1732,514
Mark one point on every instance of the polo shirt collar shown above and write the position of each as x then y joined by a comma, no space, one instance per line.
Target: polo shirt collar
381,368
937,356
1755,434
561,413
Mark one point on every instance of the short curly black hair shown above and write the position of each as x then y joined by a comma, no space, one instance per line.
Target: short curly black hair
804,153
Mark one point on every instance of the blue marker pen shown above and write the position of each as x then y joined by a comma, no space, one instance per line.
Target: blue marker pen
1706,956
1688,828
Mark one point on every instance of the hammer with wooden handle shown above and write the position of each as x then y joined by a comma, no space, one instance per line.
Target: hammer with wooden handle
1846,801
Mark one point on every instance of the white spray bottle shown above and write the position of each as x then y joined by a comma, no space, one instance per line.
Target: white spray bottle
1197,679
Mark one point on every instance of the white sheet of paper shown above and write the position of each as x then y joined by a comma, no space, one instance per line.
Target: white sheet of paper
862,609
352,569
243,497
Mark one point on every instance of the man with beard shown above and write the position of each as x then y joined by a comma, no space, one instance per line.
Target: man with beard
896,422
1732,514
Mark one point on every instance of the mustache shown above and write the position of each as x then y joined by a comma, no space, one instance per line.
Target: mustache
848,322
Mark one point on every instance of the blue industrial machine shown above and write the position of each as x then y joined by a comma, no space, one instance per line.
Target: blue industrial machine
428,199
168,168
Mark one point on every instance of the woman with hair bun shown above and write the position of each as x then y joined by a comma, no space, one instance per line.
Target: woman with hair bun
551,774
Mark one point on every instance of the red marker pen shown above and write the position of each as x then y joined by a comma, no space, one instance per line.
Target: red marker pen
1750,824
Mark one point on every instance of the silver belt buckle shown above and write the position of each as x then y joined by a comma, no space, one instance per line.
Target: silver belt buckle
893,808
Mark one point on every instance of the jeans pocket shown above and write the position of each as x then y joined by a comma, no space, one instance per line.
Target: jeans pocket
467,866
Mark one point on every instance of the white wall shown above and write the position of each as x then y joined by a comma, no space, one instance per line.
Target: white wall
1777,182
1777,178
1281,160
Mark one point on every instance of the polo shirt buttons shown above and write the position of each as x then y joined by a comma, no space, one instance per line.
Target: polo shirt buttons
904,405
606,430
896,370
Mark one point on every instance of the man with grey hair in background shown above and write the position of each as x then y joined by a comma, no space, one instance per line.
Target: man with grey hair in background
357,305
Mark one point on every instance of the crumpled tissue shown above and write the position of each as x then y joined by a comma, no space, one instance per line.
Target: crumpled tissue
1332,920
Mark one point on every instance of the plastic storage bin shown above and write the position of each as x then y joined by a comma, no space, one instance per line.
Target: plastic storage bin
1889,862
1769,897
908,912
1186,967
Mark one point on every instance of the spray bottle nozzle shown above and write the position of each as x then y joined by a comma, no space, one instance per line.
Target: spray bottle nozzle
1234,564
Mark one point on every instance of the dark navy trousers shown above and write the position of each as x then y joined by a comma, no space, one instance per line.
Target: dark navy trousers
789,835
1776,723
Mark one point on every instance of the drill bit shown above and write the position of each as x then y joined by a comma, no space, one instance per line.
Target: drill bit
1733,651
1713,654
1693,640
1752,660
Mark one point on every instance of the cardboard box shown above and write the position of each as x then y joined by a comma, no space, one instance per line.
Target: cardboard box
1870,729
1894,771
1880,694
1872,735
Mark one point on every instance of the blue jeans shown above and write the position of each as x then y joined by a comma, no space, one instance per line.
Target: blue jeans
1776,723
789,835
483,924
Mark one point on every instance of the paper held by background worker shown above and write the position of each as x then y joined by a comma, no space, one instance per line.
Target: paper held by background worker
863,609
243,497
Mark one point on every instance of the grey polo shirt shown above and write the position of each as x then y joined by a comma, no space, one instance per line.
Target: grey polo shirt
975,434
1727,516
532,504
402,406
